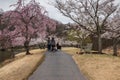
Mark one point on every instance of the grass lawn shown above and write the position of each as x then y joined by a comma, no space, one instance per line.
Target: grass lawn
97,67
22,66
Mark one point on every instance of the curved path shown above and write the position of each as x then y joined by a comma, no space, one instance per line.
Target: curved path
57,66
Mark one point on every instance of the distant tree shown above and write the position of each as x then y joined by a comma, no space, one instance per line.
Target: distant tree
90,15
79,35
60,30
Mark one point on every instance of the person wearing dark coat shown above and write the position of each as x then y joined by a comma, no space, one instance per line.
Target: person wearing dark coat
58,46
49,44
53,44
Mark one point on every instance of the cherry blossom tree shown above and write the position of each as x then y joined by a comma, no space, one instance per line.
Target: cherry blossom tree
31,20
90,15
3,29
0,21
7,32
25,22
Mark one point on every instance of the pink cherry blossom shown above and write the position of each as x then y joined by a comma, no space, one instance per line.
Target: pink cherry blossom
24,23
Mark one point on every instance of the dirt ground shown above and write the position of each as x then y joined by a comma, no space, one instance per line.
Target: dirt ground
22,66
97,67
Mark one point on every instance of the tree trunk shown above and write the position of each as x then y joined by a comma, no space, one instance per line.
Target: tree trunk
115,49
82,43
99,44
26,45
13,54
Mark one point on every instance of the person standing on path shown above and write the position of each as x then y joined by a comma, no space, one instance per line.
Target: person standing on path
53,44
49,44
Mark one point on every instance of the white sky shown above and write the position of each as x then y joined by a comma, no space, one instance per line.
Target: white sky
53,12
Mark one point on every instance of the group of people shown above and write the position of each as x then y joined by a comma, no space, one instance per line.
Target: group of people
51,44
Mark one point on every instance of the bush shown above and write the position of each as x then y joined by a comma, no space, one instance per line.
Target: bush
5,55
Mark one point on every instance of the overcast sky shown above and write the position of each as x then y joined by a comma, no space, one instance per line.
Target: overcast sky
53,12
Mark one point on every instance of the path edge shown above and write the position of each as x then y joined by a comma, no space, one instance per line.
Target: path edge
36,66
81,71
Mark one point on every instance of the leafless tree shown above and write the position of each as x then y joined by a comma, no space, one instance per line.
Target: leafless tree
113,30
90,15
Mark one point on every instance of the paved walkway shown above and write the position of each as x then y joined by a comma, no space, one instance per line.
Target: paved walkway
57,66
